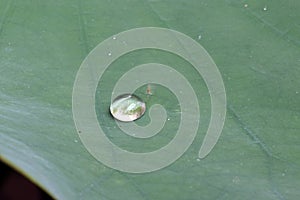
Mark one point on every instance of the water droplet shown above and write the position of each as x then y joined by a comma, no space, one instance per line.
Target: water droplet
109,54
168,119
265,8
127,108
8,49
246,5
114,37
236,179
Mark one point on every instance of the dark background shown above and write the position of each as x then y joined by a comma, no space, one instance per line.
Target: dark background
14,186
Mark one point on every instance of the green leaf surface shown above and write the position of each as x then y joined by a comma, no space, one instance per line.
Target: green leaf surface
256,46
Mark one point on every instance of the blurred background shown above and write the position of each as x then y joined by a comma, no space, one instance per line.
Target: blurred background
14,186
